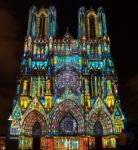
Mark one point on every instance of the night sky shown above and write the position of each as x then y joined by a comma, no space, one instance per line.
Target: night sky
122,25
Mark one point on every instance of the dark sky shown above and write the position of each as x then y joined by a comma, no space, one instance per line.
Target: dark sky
122,23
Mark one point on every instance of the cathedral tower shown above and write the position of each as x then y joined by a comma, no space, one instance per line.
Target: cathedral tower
67,91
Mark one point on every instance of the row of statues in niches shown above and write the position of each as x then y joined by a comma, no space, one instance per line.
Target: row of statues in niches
35,86
41,50
39,86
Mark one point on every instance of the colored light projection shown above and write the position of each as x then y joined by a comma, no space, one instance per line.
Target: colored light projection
109,142
67,91
71,143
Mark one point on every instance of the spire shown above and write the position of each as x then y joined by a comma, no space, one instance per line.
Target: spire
67,35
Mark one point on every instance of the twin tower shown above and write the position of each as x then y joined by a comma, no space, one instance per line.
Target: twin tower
67,90
43,23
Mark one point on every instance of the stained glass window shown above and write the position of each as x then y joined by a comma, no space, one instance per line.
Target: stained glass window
67,79
98,129
68,125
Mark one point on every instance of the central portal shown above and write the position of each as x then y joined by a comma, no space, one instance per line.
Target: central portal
36,131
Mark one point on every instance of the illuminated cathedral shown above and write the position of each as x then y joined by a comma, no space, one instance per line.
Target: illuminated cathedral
67,90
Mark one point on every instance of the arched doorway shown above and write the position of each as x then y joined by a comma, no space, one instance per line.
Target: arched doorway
65,111
100,121
34,125
33,121
100,124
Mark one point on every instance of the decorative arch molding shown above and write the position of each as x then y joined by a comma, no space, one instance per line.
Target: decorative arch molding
99,104
29,121
91,16
42,23
35,105
43,11
60,111
103,118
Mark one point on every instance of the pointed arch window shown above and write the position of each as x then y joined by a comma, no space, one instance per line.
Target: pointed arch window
92,26
52,21
42,24
109,87
68,125
102,22
82,24
98,129
33,31
81,19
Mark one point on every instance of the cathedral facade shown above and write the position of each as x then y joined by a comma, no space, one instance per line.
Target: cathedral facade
67,91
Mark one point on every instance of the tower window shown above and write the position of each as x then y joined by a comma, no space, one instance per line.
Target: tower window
92,27
42,26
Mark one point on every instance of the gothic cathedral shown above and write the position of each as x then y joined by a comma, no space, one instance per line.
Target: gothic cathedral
67,90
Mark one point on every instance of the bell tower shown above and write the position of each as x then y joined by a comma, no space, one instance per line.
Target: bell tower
42,23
